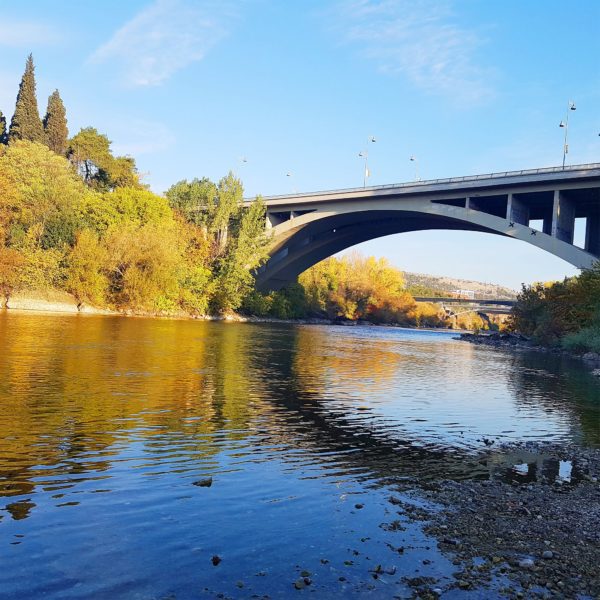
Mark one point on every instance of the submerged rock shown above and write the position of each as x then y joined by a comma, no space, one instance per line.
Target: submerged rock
206,482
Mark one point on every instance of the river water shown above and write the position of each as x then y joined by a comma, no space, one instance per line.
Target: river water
107,423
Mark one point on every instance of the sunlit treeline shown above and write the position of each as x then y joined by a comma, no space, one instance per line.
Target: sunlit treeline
124,247
356,287
563,313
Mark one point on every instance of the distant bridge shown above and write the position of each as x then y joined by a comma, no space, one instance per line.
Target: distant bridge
494,306
309,227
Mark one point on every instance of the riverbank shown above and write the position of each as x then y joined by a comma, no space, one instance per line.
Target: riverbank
531,530
54,301
519,343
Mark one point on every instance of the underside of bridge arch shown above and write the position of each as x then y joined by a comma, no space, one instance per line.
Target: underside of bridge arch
317,240
304,241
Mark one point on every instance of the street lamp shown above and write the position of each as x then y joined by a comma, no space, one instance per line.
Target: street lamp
365,154
565,125
289,174
414,159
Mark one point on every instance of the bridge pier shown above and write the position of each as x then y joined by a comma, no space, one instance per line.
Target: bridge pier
517,211
592,234
563,218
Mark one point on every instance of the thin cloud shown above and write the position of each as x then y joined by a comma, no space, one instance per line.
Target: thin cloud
143,137
165,37
418,39
18,33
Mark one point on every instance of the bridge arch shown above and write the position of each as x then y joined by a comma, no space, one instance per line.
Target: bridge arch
303,240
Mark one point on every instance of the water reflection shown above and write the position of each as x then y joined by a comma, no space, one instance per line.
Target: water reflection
107,422
79,393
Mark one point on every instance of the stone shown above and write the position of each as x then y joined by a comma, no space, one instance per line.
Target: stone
547,554
216,559
526,563
299,584
207,482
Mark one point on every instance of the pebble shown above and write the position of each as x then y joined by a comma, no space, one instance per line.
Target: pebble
547,554
207,482
526,563
299,584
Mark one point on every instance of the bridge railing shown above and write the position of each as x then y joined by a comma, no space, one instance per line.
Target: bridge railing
465,178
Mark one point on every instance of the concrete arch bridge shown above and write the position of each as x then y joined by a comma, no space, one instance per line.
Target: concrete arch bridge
308,227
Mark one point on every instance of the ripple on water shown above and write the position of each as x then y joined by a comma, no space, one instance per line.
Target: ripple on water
108,422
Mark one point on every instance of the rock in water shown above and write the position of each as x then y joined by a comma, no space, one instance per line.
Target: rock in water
207,482
216,560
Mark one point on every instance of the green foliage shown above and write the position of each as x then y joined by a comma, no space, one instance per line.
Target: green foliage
355,287
42,269
55,124
555,312
11,264
85,264
144,264
257,304
3,132
245,251
195,200
584,340
38,187
90,153
26,123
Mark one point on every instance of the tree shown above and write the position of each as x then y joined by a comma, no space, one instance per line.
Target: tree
39,187
246,251
194,199
26,123
3,133
11,263
90,153
55,124
85,278
144,265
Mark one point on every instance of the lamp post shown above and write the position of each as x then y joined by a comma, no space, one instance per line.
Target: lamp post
365,154
565,125
414,159
289,174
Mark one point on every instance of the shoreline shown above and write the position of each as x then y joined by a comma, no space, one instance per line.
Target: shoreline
61,303
530,530
519,343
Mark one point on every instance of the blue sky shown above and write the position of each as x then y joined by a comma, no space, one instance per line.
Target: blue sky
189,87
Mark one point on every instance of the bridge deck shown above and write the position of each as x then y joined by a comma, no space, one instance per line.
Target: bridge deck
467,182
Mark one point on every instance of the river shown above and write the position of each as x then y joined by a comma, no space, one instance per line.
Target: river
113,428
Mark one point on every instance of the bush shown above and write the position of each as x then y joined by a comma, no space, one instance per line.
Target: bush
585,340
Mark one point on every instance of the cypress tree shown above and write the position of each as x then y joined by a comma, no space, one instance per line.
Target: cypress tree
55,124
26,123
3,136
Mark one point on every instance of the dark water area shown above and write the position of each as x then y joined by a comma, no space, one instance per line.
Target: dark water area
106,424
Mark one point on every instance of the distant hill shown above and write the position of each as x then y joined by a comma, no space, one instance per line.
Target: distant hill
425,285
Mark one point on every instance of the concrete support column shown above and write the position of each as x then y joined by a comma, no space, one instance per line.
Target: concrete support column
467,202
517,211
563,218
547,225
275,218
592,235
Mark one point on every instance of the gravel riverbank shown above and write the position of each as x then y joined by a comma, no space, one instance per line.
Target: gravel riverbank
530,531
